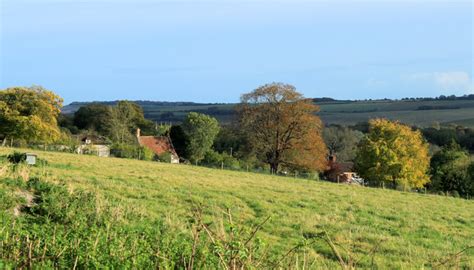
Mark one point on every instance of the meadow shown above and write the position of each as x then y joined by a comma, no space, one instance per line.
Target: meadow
316,223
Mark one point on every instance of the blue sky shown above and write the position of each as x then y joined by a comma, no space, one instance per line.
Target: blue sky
215,50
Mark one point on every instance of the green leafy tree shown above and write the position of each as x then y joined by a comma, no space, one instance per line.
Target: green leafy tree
122,121
452,171
118,122
125,118
393,153
342,141
94,117
30,114
200,130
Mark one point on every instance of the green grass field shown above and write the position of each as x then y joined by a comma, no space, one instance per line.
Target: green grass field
409,230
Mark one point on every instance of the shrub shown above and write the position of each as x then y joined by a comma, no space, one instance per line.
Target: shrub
212,158
230,162
217,160
147,154
165,157
123,150
16,157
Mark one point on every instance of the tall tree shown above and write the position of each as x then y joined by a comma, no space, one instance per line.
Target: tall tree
393,153
124,120
29,113
200,130
93,116
450,171
282,128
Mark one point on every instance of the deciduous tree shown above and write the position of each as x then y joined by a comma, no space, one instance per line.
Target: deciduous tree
342,141
282,128
200,130
125,118
450,171
393,153
93,116
30,114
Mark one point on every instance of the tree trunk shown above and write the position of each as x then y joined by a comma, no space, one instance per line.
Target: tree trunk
4,142
274,167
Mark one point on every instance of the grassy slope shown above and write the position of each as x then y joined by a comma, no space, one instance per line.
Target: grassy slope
415,229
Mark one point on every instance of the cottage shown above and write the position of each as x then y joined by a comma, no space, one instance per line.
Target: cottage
341,172
95,145
159,145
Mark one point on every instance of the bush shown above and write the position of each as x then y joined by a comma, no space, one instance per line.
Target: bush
230,162
217,160
165,157
147,154
212,159
122,150
16,157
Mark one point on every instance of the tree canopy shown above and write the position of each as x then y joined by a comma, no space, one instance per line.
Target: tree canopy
393,153
93,116
342,141
30,114
200,130
282,128
119,122
451,171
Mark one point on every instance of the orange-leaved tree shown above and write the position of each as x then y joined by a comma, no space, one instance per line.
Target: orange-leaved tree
282,128
393,153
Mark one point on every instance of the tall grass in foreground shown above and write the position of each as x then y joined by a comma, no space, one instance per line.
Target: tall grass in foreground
46,223
60,229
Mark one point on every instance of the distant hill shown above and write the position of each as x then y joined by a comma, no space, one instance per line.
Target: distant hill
420,111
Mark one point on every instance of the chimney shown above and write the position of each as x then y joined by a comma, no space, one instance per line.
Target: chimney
332,158
138,133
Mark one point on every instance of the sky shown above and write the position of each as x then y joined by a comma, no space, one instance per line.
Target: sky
216,50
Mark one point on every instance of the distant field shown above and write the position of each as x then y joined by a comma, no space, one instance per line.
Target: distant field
414,231
420,113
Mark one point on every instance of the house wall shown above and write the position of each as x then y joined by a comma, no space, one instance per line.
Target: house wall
96,149
174,159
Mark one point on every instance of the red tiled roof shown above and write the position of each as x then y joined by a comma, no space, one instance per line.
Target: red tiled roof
342,167
158,145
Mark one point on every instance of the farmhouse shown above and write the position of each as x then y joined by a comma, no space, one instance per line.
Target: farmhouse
95,145
340,172
159,145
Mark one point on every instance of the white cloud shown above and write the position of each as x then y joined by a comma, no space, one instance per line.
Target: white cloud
459,81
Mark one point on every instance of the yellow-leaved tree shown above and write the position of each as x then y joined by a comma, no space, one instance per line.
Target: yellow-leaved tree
29,114
394,154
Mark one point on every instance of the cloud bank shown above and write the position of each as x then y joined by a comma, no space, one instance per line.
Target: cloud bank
448,81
